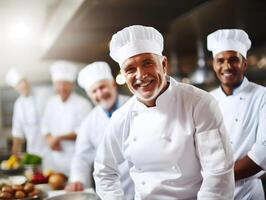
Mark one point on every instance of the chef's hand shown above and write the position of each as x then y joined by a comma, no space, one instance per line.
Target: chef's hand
54,143
75,186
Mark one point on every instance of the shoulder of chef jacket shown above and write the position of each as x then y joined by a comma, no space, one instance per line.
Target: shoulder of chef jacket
245,115
258,151
77,106
189,121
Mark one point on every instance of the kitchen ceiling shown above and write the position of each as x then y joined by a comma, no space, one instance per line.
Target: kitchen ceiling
86,36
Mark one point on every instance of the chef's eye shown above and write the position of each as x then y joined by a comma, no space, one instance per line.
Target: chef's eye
234,59
130,70
219,61
147,63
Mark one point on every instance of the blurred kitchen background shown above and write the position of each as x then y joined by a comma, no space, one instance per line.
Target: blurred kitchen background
35,33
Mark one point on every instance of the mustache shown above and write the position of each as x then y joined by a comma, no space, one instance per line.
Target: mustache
229,71
144,80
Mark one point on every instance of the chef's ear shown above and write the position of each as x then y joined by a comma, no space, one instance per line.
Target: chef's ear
164,64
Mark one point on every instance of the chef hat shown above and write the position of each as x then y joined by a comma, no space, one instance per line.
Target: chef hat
228,40
63,71
13,77
94,72
134,40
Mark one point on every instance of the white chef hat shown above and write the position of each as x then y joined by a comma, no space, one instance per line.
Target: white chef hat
63,71
134,40
228,40
14,76
93,73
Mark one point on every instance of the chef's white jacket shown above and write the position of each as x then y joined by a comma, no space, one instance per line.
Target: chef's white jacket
61,118
245,119
90,135
26,119
178,149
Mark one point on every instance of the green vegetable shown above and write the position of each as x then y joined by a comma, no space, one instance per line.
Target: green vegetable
31,159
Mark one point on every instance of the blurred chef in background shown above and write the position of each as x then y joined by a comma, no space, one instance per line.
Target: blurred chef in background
243,106
63,115
97,80
171,134
27,114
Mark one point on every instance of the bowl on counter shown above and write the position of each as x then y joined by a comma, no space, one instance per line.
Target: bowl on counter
13,171
75,196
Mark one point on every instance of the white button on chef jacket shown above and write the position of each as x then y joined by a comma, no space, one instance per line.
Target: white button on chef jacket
194,139
61,118
245,119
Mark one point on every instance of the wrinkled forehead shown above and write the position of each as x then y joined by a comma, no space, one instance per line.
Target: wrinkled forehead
63,83
227,54
138,59
102,83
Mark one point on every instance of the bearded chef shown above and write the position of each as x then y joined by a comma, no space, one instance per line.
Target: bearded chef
171,134
243,106
97,80
27,113
63,115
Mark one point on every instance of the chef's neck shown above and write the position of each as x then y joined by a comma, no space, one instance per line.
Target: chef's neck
152,102
112,109
229,89
65,97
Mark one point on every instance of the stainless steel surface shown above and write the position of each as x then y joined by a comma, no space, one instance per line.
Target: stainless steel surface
75,196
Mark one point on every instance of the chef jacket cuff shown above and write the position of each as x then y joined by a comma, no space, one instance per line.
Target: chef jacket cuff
79,177
258,155
17,134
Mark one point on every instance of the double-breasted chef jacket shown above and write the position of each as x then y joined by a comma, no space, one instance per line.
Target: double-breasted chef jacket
245,119
178,149
90,134
62,118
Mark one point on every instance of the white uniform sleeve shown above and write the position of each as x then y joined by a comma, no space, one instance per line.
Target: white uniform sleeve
258,150
17,123
81,167
214,152
83,111
106,173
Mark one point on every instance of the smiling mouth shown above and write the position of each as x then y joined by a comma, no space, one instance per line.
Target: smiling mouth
146,84
228,74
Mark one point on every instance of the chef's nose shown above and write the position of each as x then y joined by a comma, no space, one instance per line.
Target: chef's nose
228,64
140,73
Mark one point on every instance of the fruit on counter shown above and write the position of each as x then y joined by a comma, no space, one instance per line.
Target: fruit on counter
20,194
38,178
31,159
5,195
11,163
28,187
19,191
17,187
48,172
57,181
7,188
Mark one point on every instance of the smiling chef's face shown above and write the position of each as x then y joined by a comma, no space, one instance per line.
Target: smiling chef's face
23,87
229,67
145,75
103,93
64,89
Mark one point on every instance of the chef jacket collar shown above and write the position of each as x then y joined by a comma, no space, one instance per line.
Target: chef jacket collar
68,99
163,100
114,108
237,90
